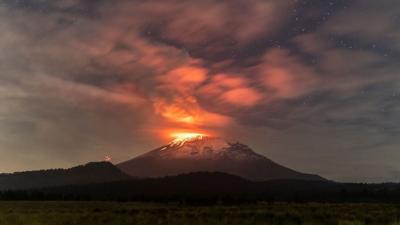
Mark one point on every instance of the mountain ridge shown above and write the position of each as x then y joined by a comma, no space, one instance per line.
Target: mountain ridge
91,172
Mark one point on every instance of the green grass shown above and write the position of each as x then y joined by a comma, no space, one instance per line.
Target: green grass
112,213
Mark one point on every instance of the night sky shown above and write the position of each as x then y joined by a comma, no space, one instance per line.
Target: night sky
311,84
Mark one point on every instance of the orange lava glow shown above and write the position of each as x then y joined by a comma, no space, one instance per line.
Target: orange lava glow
181,138
187,135
180,134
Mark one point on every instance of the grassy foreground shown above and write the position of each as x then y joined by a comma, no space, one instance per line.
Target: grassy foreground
113,213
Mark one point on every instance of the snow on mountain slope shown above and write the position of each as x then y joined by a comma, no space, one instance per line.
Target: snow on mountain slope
200,153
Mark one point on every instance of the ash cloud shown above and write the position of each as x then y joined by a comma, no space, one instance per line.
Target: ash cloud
295,79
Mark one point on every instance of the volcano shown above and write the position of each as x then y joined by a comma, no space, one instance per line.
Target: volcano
209,154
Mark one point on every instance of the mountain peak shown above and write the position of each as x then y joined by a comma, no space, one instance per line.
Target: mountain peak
198,147
200,153
182,138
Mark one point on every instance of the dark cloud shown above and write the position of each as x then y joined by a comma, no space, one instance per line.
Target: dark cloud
295,79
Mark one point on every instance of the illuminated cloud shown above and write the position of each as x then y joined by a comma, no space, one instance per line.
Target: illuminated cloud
284,76
221,83
234,20
242,96
106,74
184,78
185,110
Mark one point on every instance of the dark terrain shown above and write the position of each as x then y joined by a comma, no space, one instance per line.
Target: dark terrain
211,188
117,213
93,172
198,171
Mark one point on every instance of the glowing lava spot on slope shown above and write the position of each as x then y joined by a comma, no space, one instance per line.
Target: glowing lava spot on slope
107,158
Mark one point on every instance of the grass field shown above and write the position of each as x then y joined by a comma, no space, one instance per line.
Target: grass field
109,213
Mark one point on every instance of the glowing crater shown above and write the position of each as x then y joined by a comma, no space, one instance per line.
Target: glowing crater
182,138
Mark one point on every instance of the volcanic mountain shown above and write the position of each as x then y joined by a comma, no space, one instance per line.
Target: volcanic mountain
209,154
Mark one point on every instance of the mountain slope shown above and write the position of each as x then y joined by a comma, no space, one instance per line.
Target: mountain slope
93,172
212,155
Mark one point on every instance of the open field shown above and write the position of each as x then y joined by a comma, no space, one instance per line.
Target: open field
110,213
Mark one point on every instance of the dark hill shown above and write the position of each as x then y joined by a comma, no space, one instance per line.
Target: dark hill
89,173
